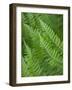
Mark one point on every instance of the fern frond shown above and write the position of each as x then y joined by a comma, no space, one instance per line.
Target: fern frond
51,34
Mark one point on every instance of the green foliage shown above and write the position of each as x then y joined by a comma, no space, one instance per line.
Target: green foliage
42,44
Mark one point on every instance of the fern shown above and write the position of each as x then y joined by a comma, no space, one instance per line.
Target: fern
42,44
51,34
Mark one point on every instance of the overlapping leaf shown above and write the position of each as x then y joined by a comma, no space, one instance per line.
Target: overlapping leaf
42,44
